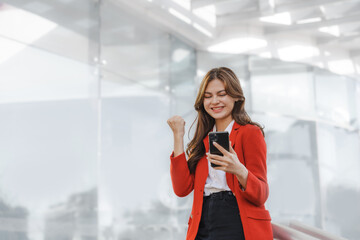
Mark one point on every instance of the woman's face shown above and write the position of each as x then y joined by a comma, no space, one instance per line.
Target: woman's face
217,103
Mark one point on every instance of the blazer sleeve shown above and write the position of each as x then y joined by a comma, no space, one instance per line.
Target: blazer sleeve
254,149
181,178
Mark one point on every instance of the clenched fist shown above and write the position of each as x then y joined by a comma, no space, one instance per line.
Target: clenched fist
177,125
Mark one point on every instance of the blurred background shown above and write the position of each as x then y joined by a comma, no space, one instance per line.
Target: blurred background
86,87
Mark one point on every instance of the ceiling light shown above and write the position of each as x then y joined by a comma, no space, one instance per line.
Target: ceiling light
297,52
179,15
203,30
280,18
333,30
238,45
309,20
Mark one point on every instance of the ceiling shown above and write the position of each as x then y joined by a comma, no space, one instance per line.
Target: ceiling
323,33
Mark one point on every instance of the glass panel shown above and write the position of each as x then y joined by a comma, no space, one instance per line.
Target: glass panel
132,48
339,155
48,104
67,28
149,76
292,169
182,79
335,98
136,199
282,88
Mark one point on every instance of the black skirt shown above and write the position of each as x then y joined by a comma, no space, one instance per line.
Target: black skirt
220,218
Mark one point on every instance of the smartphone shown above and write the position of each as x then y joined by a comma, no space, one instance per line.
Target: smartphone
222,138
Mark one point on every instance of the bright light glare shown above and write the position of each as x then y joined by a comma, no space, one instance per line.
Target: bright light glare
333,30
340,115
344,66
309,20
272,3
9,48
322,9
183,3
180,54
357,68
265,55
297,52
207,13
179,15
200,72
280,18
203,30
23,26
319,64
238,45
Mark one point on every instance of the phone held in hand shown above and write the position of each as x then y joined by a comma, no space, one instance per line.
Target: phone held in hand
222,138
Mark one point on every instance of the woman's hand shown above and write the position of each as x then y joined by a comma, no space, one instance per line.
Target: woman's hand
229,163
177,125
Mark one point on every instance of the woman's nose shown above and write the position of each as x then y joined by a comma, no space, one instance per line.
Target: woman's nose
214,100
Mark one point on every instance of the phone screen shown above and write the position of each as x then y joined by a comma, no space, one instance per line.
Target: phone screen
222,138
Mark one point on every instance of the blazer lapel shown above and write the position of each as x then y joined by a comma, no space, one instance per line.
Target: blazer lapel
230,177
233,134
206,143
203,166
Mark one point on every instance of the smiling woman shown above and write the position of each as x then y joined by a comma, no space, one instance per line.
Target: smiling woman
229,198
218,104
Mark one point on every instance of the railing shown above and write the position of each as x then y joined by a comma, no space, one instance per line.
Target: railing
294,230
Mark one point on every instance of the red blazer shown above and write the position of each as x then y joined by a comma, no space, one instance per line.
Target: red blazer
249,144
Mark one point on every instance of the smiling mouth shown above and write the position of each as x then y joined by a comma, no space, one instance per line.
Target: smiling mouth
216,109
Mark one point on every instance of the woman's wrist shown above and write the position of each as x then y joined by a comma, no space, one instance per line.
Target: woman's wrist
242,175
178,144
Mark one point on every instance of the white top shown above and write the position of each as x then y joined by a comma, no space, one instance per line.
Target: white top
216,180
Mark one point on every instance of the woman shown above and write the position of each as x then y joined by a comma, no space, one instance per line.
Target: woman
228,199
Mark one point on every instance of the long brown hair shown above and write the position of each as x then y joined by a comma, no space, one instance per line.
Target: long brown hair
204,122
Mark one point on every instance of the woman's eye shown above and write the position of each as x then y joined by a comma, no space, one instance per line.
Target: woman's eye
222,95
207,96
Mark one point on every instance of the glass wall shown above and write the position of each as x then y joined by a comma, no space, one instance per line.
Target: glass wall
312,135
84,149
48,123
148,75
